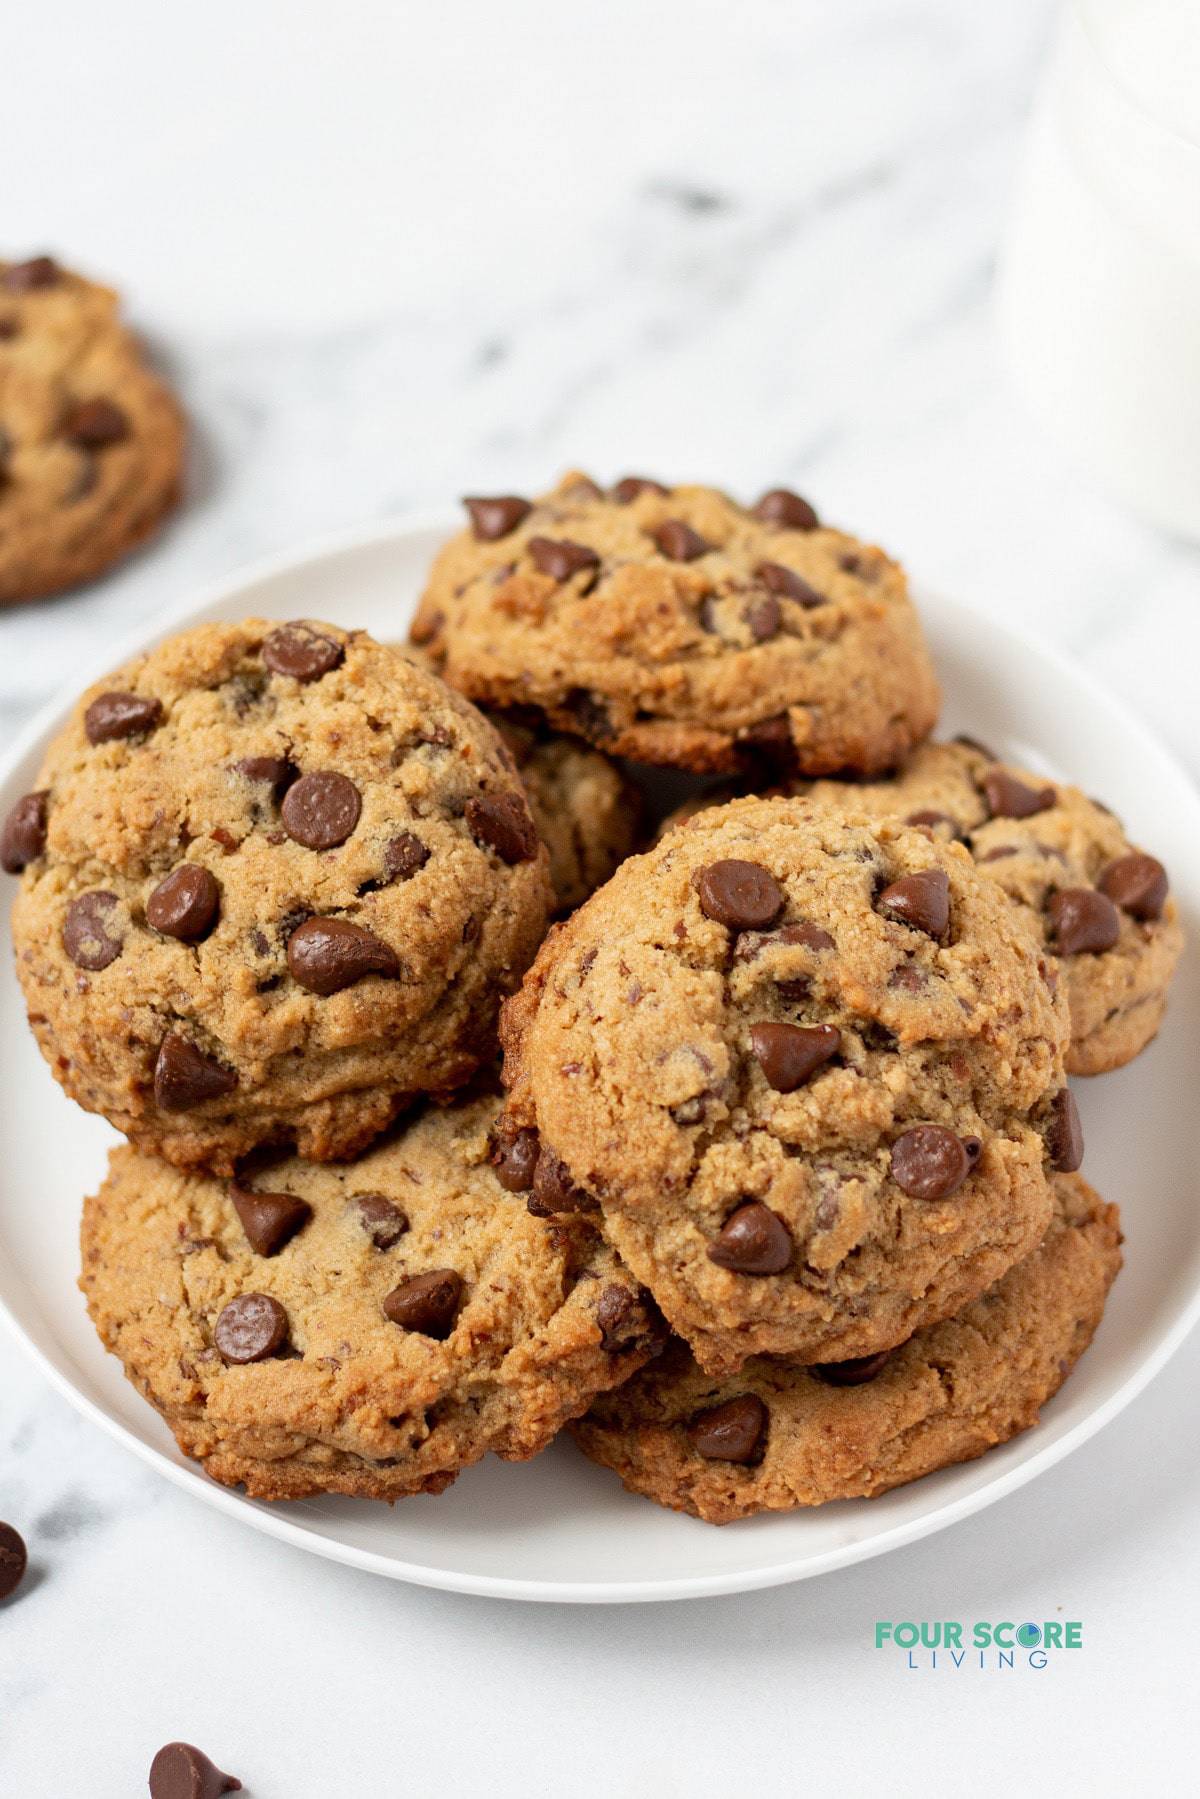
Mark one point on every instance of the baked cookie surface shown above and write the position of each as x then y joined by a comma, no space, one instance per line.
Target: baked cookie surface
276,881
91,439
369,1328
677,627
811,1071
777,1435
587,813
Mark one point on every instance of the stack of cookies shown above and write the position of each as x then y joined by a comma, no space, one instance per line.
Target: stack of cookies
778,1201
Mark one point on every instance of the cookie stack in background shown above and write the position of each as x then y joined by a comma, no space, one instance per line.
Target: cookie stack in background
781,1201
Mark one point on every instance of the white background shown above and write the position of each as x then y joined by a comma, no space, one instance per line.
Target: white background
395,252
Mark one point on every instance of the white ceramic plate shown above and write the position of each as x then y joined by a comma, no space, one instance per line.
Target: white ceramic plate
559,1528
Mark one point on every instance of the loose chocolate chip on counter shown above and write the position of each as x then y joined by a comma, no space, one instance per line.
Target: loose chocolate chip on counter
426,1303
185,904
275,772
13,1560
321,810
560,558
732,1432
502,822
86,936
1009,798
495,518
789,1054
788,585
932,821
185,1077
383,1221
180,1771
250,1328
269,1219
743,896
24,835
1064,1137
629,487
515,1160
763,618
1137,883
1082,921
753,1240
24,277
94,424
117,715
403,857
326,954
930,1162
553,1189
787,510
679,543
921,901
853,1373
299,651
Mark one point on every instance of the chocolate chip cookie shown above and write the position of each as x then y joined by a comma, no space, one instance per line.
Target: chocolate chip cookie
778,1435
674,626
809,1069
370,1328
91,440
276,881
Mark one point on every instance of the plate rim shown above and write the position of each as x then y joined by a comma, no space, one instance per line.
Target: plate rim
377,534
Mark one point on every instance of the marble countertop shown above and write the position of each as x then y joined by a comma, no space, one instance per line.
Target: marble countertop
393,254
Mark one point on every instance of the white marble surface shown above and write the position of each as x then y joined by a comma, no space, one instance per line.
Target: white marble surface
393,253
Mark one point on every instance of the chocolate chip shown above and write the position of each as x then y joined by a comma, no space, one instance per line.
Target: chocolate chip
502,822
629,487
787,510
85,933
383,1221
321,810
743,896
300,652
275,772
763,618
679,543
24,277
185,905
553,1189
615,1311
116,715
732,1432
1009,798
560,558
1136,883
326,954
1064,1137
921,901
934,821
94,424
14,1560
770,738
494,518
180,1771
930,1162
788,585
854,1372
185,1077
753,1240
1082,921
514,1159
790,1053
403,857
426,1302
250,1328
24,835
269,1219
589,715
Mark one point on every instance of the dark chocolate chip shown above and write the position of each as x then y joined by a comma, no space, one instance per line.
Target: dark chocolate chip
185,905
1137,883
24,835
383,1221
560,558
1064,1134
999,854
14,1560
789,1054
185,1077
553,1189
920,900
250,1328
753,1240
300,652
326,954
275,772
934,821
180,1771
86,936
515,1160
94,424
743,896
789,585
426,1303
24,277
763,618
1082,921
787,510
732,1432
321,810
679,543
116,715
502,821
269,1219
1009,798
403,857
852,1373
494,518
629,487
589,715
930,1162
770,738
615,1311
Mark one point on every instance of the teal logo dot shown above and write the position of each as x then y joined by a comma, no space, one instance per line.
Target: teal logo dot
1028,1636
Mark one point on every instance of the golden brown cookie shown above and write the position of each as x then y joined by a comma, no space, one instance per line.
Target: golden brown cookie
777,1435
276,882
809,1068
677,627
91,439
588,814
370,1328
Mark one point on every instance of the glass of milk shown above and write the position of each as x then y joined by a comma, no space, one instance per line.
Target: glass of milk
1100,281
